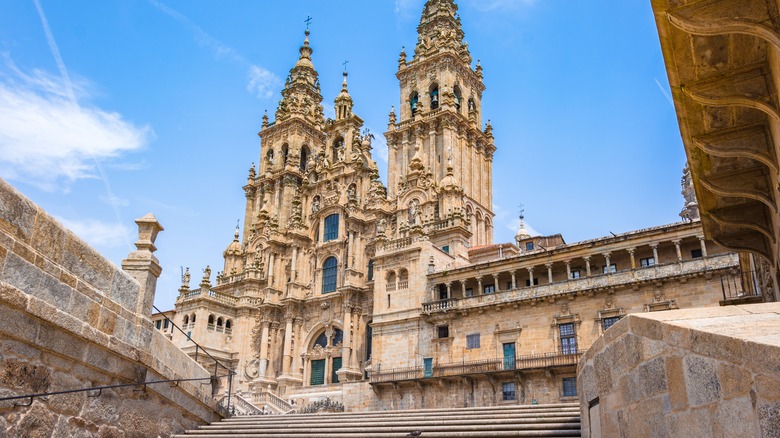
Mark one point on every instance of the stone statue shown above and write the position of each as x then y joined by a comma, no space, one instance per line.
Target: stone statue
315,205
340,153
380,226
414,212
351,192
185,279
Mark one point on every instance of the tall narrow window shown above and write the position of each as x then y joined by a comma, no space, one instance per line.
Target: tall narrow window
568,338
331,228
329,271
434,96
413,99
508,391
371,270
458,97
569,386
304,158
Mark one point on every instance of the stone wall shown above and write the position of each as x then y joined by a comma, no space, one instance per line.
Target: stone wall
70,319
711,372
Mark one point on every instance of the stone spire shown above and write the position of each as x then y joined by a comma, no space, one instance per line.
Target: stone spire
522,232
343,101
301,95
440,30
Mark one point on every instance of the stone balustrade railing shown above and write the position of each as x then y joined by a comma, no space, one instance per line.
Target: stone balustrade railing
595,282
271,399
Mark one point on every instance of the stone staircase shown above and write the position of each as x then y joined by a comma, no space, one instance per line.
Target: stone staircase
555,420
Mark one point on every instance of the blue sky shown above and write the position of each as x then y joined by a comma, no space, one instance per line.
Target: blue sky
113,109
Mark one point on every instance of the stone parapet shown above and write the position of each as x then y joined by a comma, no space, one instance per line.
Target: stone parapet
695,372
71,315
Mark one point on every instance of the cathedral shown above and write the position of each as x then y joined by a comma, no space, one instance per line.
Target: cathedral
395,296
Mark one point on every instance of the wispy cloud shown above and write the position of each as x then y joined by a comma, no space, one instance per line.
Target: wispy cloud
48,140
261,82
511,221
379,145
98,233
665,93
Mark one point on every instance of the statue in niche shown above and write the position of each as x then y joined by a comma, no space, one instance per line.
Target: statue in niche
380,226
414,212
315,205
351,195
340,153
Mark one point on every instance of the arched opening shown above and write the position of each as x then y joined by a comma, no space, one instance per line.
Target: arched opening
337,153
269,158
331,228
458,97
433,92
186,320
220,325
285,153
192,318
391,281
210,323
228,327
327,344
414,98
304,157
329,273
403,279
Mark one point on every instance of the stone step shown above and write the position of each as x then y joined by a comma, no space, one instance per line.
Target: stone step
562,420
261,419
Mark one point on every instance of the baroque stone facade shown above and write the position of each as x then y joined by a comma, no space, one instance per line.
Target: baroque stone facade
338,286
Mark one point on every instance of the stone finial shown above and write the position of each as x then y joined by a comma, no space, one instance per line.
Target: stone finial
148,227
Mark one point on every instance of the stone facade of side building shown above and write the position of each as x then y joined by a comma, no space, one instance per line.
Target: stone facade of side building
396,297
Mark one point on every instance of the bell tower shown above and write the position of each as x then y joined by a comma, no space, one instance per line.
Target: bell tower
439,122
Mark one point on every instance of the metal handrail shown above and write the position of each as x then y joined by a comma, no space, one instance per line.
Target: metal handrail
217,363
99,389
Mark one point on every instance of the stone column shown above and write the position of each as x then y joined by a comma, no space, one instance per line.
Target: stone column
654,246
514,281
531,276
298,345
143,266
495,282
346,346
631,254
288,332
549,273
703,245
463,288
270,275
294,263
449,289
351,263
263,349
677,248
568,269
587,265
608,268
479,286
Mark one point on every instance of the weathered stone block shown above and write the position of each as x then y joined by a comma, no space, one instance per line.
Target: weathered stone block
736,418
701,380
48,237
17,324
735,381
12,296
17,213
691,423
56,340
37,422
87,264
124,290
21,274
769,419
649,379
678,396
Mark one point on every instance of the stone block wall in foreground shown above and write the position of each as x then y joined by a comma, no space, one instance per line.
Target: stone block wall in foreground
70,319
711,372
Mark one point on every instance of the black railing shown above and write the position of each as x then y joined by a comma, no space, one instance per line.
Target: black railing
483,366
141,385
217,363
743,284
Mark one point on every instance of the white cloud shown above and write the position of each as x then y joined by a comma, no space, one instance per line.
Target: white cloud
379,145
114,200
97,233
48,140
408,7
262,82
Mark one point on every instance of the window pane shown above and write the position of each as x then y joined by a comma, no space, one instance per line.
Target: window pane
567,329
570,387
472,341
331,228
443,331
508,391
329,271
609,322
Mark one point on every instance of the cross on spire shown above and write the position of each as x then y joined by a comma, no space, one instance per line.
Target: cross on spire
345,65
522,211
308,21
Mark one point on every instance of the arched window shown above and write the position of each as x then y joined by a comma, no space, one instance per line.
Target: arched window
458,97
285,153
371,270
210,325
322,340
228,327
434,93
329,271
304,157
270,157
186,319
472,105
338,337
219,322
391,281
413,99
403,279
192,318
331,228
